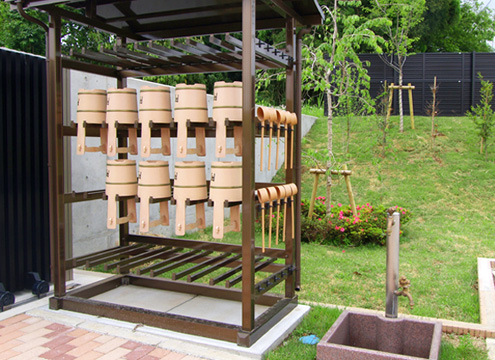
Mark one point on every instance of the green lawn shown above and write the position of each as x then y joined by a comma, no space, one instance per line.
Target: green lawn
451,194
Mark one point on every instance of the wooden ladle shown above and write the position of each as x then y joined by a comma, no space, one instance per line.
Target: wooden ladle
281,119
263,197
280,195
269,114
291,121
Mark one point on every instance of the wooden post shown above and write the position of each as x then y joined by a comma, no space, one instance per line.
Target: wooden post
390,99
316,173
347,173
347,179
411,106
433,112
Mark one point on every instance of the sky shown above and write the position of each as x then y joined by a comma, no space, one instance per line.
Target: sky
490,3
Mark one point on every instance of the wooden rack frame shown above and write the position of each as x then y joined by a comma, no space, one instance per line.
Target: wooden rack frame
219,53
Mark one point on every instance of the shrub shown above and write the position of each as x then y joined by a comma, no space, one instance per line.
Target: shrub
483,115
340,227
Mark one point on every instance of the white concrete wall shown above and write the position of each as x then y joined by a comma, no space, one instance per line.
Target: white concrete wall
89,230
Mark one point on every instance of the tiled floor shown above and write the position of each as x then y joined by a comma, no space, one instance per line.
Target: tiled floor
26,337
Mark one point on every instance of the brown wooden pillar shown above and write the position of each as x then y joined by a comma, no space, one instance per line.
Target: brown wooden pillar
297,152
290,96
55,156
122,141
248,162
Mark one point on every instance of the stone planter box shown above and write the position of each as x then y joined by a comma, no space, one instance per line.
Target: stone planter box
359,336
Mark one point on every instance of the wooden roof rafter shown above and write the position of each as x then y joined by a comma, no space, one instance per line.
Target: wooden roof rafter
192,56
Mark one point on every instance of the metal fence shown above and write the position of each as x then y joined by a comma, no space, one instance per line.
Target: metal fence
457,77
24,232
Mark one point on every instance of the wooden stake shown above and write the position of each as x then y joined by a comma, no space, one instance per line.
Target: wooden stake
433,110
411,106
347,178
390,99
316,173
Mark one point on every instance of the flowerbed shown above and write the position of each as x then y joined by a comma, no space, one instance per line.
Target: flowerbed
341,227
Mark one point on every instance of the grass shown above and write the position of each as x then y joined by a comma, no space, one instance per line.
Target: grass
450,192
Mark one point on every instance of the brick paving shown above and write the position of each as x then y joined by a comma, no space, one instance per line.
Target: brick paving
25,337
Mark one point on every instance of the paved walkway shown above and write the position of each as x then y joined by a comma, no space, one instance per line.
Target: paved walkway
26,337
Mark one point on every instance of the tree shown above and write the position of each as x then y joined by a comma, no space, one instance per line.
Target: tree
404,15
483,115
333,67
434,32
19,34
476,26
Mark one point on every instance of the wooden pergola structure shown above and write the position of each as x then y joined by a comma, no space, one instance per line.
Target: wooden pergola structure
141,22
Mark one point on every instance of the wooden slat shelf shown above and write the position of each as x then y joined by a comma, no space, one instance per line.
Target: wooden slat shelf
167,258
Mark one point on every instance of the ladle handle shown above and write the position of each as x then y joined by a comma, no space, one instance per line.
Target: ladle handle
261,149
263,227
145,139
278,221
164,214
221,139
270,146
181,139
292,148
180,217
165,132
111,212
218,214
81,139
112,139
144,214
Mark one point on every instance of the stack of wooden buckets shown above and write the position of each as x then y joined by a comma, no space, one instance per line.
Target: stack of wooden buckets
115,110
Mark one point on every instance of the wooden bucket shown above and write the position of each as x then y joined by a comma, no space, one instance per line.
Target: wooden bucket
225,184
121,108
227,104
91,109
189,183
153,182
154,179
226,181
190,104
122,181
91,106
154,106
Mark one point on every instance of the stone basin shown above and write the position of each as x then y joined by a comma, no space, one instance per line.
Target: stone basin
357,336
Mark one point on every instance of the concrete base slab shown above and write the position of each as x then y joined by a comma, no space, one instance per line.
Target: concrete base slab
146,298
166,339
225,311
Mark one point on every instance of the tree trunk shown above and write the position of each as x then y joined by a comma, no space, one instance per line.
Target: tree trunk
330,151
401,108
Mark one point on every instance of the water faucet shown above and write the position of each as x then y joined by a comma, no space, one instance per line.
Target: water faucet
405,284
